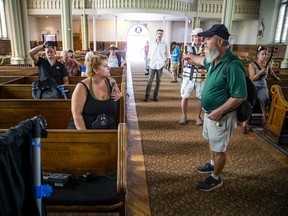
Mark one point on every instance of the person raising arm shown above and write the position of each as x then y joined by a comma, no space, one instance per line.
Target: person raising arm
49,65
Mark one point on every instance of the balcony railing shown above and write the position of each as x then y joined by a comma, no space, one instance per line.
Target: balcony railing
205,7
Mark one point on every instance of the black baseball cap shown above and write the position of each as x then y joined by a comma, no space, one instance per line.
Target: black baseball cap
217,29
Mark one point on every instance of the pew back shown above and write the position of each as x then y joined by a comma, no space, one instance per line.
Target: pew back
5,79
72,80
24,91
80,151
56,112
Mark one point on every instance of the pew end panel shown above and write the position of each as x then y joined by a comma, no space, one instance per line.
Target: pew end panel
277,122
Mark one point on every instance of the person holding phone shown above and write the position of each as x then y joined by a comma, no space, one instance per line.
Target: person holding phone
258,72
49,66
71,55
95,95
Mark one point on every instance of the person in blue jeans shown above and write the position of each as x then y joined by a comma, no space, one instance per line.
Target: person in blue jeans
174,68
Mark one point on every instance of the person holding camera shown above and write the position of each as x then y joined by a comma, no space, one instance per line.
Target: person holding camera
49,66
94,100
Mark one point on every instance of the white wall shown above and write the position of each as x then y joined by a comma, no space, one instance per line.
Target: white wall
178,31
269,12
105,29
33,25
39,26
244,31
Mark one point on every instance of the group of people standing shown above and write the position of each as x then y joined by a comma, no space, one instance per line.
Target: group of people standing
203,62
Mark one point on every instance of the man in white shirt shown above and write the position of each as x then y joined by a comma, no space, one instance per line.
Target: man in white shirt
158,57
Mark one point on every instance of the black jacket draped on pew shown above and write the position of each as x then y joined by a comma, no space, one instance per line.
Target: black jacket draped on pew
16,189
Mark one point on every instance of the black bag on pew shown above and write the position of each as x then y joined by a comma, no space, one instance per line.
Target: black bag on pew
46,89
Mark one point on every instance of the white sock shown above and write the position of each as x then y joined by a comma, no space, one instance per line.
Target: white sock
215,176
212,162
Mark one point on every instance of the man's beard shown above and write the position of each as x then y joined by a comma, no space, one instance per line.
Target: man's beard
51,61
211,55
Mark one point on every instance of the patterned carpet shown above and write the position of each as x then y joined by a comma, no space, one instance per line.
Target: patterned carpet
255,181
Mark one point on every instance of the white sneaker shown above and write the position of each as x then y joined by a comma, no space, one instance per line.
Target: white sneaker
199,122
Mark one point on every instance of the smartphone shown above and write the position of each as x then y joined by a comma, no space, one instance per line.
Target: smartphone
52,43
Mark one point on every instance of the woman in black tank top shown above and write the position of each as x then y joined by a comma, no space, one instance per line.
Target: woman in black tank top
97,94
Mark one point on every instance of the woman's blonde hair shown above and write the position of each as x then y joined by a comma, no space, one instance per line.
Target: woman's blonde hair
94,62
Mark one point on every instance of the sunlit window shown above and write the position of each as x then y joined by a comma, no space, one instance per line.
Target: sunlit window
282,24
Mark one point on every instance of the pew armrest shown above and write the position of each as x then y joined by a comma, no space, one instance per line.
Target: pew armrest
122,160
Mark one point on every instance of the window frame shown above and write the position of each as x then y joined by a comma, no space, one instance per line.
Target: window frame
281,21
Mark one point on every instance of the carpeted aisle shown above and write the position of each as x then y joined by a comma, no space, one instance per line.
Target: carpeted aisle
255,183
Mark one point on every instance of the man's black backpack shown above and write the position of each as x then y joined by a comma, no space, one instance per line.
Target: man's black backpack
47,88
244,110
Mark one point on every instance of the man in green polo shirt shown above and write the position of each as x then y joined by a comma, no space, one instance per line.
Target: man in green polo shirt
218,101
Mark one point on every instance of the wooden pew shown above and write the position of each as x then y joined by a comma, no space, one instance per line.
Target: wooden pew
72,80
76,152
24,71
277,122
17,72
4,79
117,71
24,91
99,152
57,112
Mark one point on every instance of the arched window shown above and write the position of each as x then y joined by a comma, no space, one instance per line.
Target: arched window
282,24
3,30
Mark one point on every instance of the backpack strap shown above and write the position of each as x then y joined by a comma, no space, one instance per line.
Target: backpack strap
119,59
224,69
